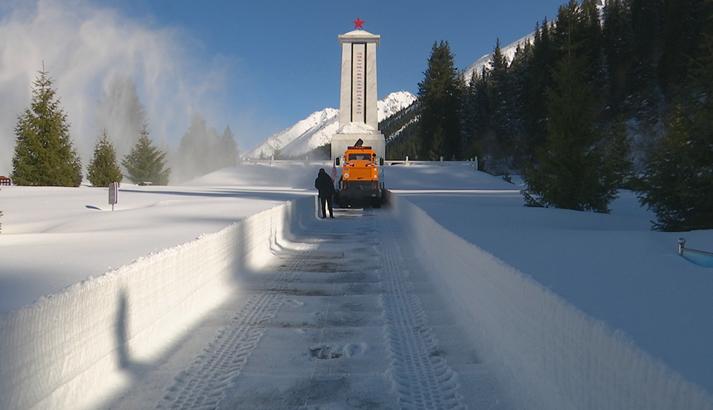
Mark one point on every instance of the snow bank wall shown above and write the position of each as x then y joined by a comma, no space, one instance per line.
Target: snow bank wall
546,352
76,348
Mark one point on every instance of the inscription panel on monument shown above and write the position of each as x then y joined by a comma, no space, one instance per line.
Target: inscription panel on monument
358,82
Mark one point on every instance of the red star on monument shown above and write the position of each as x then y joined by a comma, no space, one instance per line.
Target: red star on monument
359,24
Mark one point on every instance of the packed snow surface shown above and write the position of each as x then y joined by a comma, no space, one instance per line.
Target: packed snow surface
566,309
329,323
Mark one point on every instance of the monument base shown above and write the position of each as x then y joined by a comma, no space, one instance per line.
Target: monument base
340,142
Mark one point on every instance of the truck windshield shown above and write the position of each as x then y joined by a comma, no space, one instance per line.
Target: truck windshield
359,157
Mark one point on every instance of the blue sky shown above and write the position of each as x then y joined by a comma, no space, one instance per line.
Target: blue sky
283,56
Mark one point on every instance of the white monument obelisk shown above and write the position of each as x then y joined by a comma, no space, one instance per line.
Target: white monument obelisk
358,96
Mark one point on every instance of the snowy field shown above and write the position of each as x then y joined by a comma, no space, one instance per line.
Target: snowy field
543,347
552,303
54,237
612,267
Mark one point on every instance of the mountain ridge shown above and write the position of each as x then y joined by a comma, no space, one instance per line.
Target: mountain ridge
510,49
318,128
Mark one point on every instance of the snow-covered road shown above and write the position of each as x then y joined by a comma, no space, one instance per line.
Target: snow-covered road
341,318
423,305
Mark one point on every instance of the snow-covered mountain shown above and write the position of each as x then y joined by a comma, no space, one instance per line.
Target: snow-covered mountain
508,51
394,103
319,127
304,136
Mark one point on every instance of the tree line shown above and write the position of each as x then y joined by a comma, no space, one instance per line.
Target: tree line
597,100
45,154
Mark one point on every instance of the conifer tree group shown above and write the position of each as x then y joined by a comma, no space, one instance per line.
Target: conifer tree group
203,150
678,173
578,166
45,154
584,108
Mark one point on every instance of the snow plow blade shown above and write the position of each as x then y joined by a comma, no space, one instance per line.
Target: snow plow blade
362,198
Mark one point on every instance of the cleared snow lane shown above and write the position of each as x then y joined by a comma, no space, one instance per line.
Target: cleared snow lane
339,319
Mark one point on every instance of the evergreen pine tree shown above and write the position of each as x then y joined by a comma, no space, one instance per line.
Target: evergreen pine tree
617,165
683,24
196,151
500,96
617,48
44,153
519,72
538,81
203,150
566,32
571,170
440,100
482,107
476,115
678,177
455,141
469,116
591,40
645,94
592,26
228,148
103,169
121,113
146,163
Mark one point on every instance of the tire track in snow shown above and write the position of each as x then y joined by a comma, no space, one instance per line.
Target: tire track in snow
203,384
421,378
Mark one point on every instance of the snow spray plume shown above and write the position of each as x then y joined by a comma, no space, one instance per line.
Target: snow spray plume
103,65
203,150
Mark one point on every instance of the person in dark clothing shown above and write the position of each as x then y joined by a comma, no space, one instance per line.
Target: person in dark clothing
325,185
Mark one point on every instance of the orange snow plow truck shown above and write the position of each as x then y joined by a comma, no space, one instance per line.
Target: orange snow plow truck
361,182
